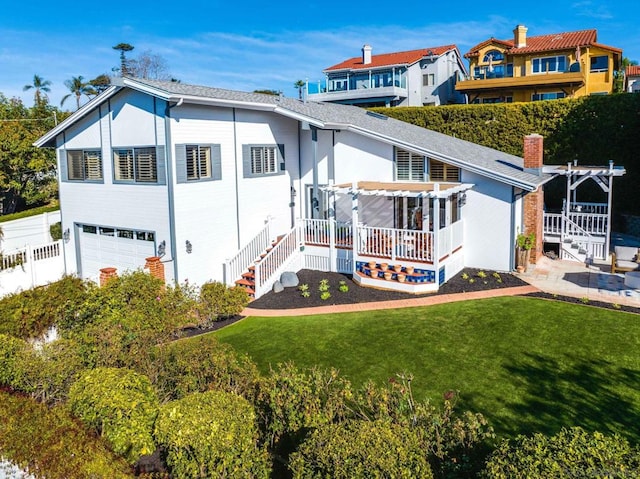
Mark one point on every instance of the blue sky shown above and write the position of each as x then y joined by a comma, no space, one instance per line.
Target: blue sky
269,45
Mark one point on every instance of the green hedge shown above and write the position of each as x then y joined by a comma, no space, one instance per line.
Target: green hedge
30,212
592,130
52,444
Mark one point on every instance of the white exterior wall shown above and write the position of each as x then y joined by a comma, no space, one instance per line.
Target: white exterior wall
209,214
130,206
487,214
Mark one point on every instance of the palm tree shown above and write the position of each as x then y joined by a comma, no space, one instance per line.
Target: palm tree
39,85
122,48
78,87
299,85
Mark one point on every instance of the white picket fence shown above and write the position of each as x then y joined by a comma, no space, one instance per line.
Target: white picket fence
31,266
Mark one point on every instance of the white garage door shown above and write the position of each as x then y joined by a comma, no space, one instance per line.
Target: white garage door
102,247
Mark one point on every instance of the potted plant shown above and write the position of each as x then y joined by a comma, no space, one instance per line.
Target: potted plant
372,265
397,268
409,269
388,275
401,277
384,266
524,244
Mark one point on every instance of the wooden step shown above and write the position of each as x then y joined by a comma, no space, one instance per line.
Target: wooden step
249,275
246,283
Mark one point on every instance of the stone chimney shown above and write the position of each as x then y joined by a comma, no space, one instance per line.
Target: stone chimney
533,202
520,36
533,153
366,54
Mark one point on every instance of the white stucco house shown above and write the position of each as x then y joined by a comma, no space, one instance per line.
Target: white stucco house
206,179
424,77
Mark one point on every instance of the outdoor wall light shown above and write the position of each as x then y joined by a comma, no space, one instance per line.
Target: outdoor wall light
66,235
294,193
162,247
189,246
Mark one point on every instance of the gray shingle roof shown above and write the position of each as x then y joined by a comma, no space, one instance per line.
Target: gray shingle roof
465,154
470,156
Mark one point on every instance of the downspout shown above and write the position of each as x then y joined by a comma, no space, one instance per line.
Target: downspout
170,192
235,159
315,204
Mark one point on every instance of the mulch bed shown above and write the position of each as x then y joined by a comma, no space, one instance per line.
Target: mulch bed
291,298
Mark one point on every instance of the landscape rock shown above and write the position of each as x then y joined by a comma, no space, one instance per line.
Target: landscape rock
278,287
289,279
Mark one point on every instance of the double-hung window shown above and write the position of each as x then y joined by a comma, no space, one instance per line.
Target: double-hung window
198,162
135,165
409,166
556,64
599,64
263,160
82,165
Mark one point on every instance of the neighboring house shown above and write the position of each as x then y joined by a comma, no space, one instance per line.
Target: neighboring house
206,178
414,78
544,67
632,79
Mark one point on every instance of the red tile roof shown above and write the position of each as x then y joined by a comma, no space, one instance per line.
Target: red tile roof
389,59
545,43
633,70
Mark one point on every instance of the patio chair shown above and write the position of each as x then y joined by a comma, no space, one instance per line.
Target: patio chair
625,259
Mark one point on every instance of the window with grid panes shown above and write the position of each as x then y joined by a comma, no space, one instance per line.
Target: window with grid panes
439,171
135,164
198,162
263,160
84,165
409,166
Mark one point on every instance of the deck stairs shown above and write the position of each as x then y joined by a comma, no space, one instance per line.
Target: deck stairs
248,278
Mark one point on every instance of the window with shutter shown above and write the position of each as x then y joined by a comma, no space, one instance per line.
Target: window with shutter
439,171
259,160
198,162
139,165
263,160
84,165
409,166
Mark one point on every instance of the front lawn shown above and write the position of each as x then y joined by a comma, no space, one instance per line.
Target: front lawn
528,364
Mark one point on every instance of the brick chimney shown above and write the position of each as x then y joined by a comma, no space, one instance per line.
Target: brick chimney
520,36
533,202
155,267
107,274
533,153
366,54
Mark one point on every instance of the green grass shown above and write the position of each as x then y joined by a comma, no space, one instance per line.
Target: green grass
527,364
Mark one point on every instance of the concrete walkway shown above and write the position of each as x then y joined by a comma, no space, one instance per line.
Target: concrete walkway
569,278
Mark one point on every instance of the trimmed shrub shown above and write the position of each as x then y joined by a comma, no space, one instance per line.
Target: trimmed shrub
211,434
120,405
200,364
55,230
571,453
360,449
218,301
50,443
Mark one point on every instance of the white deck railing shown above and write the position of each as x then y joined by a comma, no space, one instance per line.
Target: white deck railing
395,244
238,264
577,223
269,268
584,207
318,232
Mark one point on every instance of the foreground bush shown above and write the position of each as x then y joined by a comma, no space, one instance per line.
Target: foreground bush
199,364
218,302
31,313
570,453
211,434
118,324
11,350
361,449
51,444
121,405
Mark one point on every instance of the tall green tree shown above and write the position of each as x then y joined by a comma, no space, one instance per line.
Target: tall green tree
78,87
300,86
100,83
123,48
40,87
27,173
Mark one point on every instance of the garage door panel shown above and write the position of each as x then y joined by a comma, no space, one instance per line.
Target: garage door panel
122,252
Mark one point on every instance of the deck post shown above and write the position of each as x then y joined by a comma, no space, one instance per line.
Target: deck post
567,206
436,229
333,266
607,238
354,226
